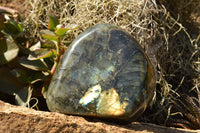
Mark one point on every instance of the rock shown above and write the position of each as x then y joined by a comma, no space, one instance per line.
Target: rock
104,73
23,120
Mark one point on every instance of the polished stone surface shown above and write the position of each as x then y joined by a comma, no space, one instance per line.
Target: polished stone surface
103,73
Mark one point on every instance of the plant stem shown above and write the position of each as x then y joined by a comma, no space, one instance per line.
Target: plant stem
53,69
57,59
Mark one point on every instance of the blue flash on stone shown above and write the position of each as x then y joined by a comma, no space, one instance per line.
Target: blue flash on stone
92,94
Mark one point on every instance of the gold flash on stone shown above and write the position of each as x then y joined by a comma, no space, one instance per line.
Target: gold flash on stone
108,101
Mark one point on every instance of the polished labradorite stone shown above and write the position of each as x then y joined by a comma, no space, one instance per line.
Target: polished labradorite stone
104,73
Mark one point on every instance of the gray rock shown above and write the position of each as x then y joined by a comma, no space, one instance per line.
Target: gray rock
104,73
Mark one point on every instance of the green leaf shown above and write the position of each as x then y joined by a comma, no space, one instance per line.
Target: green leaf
8,82
20,27
13,28
28,76
47,45
71,30
46,32
61,31
11,85
2,11
58,26
1,22
50,37
53,22
44,91
36,65
35,46
21,75
7,10
42,53
8,51
22,98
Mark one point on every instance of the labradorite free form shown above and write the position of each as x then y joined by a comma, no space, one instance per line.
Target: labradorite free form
103,73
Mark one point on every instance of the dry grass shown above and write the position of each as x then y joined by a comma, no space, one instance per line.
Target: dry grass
167,30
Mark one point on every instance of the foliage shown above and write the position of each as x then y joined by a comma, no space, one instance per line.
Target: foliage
22,67
10,32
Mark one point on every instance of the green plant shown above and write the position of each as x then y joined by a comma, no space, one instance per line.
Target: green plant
46,55
26,71
10,40
9,28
